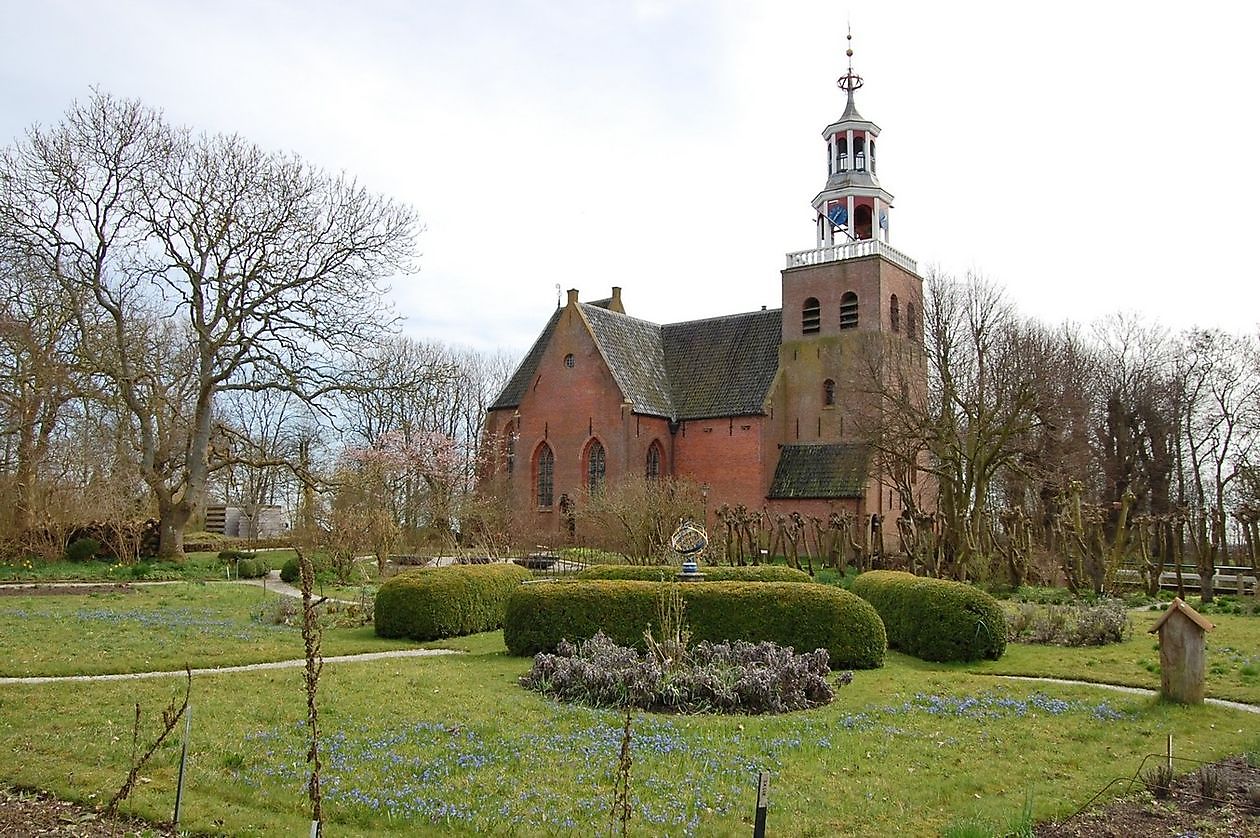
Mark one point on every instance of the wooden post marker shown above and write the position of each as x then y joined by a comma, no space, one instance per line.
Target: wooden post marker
763,800
1182,653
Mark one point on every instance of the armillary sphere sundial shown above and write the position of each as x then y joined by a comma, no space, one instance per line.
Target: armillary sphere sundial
689,541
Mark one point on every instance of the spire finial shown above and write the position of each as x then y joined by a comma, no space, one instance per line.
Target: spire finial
850,81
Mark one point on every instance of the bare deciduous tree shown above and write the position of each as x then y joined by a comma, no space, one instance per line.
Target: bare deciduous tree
261,272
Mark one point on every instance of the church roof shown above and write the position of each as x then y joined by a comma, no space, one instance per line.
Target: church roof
723,366
698,369
835,470
636,358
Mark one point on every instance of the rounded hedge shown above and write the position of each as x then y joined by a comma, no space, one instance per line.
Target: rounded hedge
250,567
935,619
430,603
712,573
805,617
291,571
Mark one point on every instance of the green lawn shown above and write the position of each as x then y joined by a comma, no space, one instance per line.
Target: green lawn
452,745
160,627
1233,659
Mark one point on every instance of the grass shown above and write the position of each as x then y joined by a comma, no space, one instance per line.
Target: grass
162,627
1233,655
453,746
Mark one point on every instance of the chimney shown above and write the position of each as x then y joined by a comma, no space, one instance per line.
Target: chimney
573,296
615,303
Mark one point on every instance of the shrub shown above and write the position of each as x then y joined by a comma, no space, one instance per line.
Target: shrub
233,556
935,619
734,677
251,567
805,617
1068,625
82,550
291,571
714,573
432,603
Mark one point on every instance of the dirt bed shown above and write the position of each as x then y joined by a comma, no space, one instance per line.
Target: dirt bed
1184,812
53,589
25,813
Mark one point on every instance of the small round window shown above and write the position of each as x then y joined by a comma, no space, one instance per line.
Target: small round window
568,360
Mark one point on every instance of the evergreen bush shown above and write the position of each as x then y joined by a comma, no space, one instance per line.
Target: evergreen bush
712,573
935,619
291,571
805,617
433,603
252,567
82,550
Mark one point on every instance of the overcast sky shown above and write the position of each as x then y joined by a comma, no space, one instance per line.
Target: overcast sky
1092,157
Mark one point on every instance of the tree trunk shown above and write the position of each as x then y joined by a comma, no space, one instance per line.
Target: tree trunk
172,518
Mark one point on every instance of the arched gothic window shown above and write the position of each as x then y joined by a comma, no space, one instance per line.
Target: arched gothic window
829,392
894,313
849,310
653,470
595,466
810,316
545,471
912,325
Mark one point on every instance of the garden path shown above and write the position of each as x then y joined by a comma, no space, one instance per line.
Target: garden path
1219,702
250,667
275,584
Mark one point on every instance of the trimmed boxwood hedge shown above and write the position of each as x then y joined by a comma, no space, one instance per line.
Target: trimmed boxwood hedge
712,573
935,619
431,603
805,617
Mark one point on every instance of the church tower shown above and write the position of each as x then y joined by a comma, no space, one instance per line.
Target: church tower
850,305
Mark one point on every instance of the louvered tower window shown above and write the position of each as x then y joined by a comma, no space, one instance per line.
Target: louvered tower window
894,313
810,316
849,310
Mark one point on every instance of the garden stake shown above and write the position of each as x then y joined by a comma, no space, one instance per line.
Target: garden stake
183,761
1170,752
763,801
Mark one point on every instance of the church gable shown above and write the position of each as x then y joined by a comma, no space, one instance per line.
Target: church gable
699,369
518,385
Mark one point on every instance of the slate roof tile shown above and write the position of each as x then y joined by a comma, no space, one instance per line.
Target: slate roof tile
834,470
723,366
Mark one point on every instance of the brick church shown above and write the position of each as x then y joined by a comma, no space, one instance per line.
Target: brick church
764,408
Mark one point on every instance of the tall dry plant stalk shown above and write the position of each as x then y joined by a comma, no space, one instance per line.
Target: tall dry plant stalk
311,635
170,720
620,812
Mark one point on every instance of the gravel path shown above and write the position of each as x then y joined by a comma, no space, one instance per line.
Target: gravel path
1219,702
250,667
276,585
